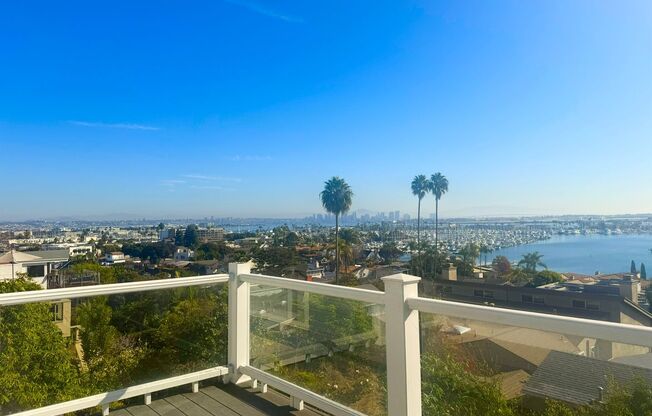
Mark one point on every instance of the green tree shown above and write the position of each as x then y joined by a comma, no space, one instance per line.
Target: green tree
160,226
545,277
518,275
277,261
643,272
191,237
37,366
178,237
336,199
530,261
211,251
112,358
97,334
332,318
193,334
632,399
107,274
470,253
420,186
292,239
438,186
390,252
350,235
450,388
346,253
484,250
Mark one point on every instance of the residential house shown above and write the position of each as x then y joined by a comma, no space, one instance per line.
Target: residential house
115,257
183,254
37,265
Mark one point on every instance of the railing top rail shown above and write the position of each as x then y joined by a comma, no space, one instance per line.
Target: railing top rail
17,298
362,295
589,328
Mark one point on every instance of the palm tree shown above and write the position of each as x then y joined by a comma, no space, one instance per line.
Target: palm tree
346,253
517,276
438,187
531,261
336,199
420,186
470,253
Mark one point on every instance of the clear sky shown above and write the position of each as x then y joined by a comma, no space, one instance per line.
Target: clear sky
244,108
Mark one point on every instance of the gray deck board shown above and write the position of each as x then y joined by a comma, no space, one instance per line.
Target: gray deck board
164,408
186,406
142,410
220,400
237,405
214,407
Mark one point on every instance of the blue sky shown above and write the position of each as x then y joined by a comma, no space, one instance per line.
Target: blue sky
243,108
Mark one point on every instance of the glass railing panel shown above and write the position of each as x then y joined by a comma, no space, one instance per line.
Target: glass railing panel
477,368
331,346
57,351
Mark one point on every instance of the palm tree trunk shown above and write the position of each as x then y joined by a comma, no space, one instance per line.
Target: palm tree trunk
337,249
436,236
418,234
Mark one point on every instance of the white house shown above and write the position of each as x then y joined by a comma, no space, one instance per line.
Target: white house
183,254
115,257
35,264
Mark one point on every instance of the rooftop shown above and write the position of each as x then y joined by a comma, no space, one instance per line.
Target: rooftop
14,256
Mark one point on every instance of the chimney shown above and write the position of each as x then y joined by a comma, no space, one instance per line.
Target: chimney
628,287
449,273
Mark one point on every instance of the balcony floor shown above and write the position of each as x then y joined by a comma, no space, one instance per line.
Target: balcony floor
222,400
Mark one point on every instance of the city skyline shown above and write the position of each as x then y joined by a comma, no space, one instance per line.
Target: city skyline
241,108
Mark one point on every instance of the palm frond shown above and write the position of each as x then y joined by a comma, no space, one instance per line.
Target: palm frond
337,196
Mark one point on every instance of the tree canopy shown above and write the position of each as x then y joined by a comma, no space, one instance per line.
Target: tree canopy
37,366
191,236
438,185
501,265
531,261
337,196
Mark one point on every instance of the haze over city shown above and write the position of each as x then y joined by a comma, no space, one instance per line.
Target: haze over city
243,108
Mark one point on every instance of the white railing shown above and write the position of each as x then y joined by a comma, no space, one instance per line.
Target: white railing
50,295
607,331
402,306
103,400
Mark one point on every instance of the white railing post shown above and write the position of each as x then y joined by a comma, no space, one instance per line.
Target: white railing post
238,321
403,351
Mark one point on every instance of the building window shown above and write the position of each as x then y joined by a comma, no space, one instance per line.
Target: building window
581,304
57,312
36,271
593,306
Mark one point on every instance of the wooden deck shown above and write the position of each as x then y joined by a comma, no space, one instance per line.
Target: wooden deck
219,400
